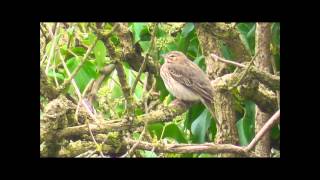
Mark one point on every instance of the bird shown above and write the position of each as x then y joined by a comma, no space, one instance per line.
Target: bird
185,80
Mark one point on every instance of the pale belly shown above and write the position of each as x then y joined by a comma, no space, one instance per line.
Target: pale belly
179,91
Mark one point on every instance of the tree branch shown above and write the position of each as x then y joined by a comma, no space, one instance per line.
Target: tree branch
153,36
269,124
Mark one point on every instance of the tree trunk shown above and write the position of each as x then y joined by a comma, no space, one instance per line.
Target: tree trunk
263,58
223,100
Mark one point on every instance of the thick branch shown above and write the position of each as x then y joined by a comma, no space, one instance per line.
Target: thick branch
270,80
191,148
163,115
46,89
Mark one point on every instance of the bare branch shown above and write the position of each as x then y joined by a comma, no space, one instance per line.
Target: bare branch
153,37
269,124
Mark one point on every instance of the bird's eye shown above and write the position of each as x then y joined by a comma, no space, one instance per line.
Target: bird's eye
172,55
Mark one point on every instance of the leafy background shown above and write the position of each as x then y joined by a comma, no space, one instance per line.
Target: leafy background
194,126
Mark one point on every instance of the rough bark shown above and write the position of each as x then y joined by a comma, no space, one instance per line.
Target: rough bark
263,39
223,100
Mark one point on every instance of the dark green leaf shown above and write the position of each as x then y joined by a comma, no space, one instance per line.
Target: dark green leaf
193,112
162,88
242,136
155,129
200,126
246,124
172,131
275,132
200,62
247,32
80,51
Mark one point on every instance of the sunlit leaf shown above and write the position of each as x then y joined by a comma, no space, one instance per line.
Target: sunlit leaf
145,45
85,74
53,74
100,52
187,29
137,29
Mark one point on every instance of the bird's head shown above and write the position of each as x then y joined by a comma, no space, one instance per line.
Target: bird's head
174,57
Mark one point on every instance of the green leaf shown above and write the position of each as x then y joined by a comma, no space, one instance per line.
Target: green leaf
242,136
200,126
100,53
275,132
85,74
80,51
148,154
247,35
193,112
246,124
162,88
116,91
226,52
275,29
172,131
187,29
53,74
89,39
145,45
155,129
160,32
200,61
137,28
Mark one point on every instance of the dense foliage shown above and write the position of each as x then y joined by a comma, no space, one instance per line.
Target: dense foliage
72,40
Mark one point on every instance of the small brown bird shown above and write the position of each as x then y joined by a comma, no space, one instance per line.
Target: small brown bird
185,80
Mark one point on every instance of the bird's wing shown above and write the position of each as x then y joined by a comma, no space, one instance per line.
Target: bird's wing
193,78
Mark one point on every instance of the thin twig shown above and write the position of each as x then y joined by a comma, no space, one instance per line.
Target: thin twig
137,143
53,45
268,125
145,59
80,65
83,103
217,58
85,58
245,72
